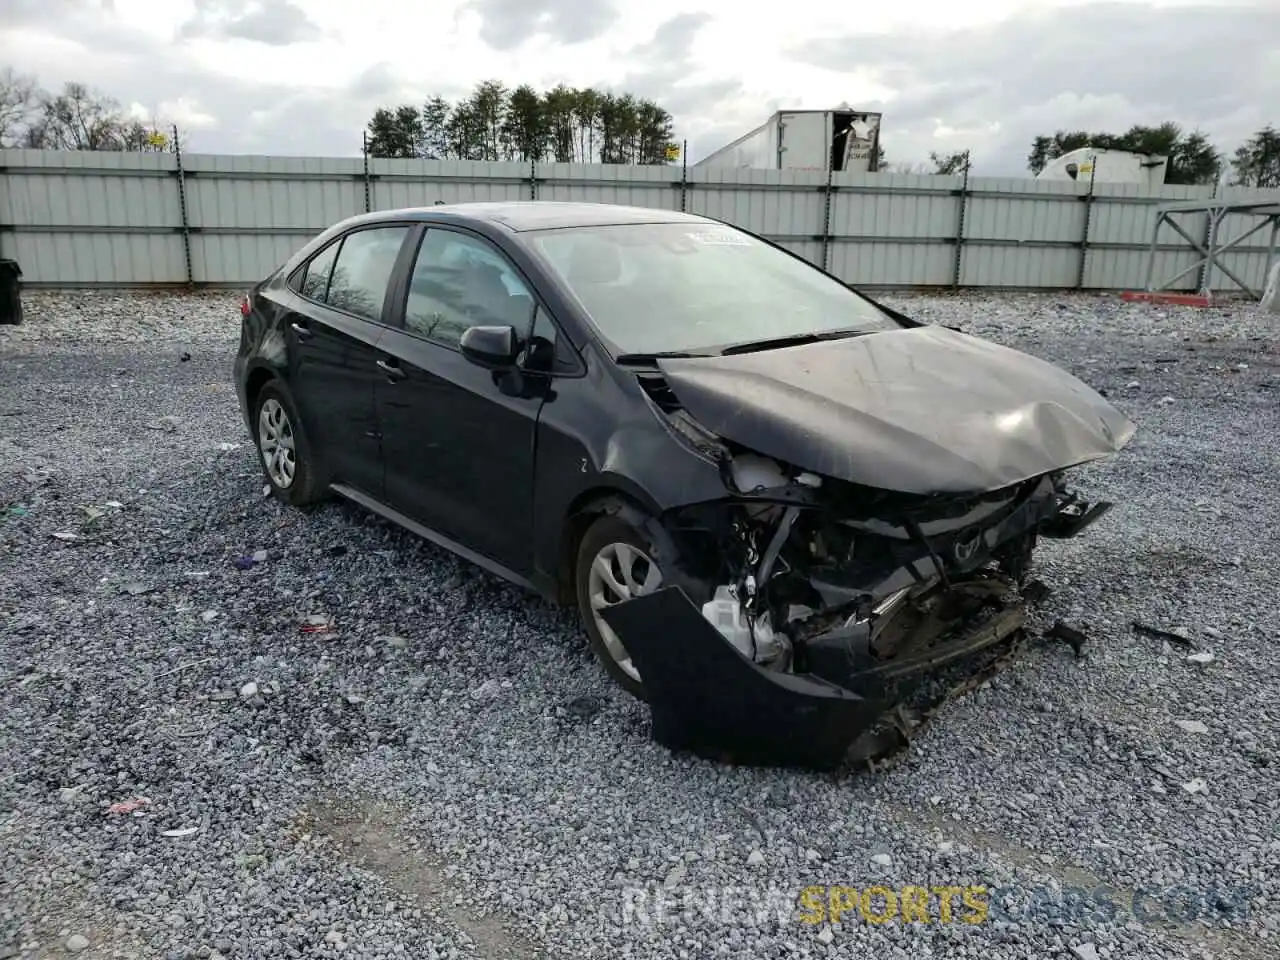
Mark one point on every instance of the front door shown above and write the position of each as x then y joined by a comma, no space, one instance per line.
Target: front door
458,439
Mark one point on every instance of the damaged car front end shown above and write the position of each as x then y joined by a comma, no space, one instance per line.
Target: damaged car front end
884,498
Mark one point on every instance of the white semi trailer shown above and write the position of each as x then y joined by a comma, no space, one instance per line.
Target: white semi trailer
818,140
1087,165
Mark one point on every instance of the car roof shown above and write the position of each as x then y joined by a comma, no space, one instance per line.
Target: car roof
522,215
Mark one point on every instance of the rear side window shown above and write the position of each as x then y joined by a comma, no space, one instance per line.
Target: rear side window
315,278
360,276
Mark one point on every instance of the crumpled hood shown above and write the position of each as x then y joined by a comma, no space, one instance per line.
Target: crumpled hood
923,411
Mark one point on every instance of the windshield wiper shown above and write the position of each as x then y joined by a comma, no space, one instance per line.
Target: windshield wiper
648,359
795,340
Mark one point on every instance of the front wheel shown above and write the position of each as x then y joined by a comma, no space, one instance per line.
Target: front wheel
615,562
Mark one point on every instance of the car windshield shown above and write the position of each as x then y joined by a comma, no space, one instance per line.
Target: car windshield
698,287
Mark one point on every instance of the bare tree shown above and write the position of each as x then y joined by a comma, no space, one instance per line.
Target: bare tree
949,164
79,119
19,103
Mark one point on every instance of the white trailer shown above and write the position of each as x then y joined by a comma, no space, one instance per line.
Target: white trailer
819,140
1088,165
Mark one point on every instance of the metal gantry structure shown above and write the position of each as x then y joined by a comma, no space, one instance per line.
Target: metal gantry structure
1213,246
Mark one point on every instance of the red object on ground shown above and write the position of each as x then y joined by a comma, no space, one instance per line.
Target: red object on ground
1182,299
128,806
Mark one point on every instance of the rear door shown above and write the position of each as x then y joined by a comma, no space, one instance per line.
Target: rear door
334,333
458,439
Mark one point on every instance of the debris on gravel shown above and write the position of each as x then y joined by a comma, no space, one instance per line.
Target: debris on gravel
361,746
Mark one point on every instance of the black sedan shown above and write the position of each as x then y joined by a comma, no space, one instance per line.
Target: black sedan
692,434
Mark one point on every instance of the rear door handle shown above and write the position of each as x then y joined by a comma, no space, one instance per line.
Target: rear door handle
300,330
391,370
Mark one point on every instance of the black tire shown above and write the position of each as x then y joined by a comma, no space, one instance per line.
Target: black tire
307,485
605,530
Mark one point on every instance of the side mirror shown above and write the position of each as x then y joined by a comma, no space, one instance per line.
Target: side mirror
490,346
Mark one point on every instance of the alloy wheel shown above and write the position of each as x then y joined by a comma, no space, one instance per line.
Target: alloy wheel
619,572
276,442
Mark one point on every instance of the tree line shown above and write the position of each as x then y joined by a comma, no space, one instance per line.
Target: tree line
576,125
494,122
76,118
1192,159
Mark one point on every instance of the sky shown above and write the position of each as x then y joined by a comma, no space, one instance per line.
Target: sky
301,77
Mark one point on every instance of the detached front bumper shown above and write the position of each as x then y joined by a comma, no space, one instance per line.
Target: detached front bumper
708,698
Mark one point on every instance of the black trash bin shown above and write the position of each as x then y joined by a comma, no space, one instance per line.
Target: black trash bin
10,291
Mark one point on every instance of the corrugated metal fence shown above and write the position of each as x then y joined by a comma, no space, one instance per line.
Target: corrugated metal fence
100,219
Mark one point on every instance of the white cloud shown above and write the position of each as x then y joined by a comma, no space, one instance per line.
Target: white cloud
302,76
186,113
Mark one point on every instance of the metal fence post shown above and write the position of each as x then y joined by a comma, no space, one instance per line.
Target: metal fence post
1210,237
182,205
1088,220
827,191
684,175
368,192
533,179
964,205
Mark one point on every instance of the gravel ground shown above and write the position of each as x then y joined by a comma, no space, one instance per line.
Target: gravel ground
447,774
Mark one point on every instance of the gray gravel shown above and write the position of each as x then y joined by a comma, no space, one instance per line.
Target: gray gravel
445,773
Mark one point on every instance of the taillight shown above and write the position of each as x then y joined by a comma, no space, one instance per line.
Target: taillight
246,307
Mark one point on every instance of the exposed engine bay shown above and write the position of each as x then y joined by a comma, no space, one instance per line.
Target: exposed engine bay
816,576
837,592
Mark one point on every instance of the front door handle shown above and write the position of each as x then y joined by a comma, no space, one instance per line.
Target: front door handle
300,330
391,370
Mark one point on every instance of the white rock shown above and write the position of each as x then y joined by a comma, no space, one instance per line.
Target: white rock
826,936
1196,786
76,943
1192,726
1202,657
1085,951
882,859
755,858
675,875
209,616
248,690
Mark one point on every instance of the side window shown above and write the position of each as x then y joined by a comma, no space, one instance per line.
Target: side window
461,281
315,277
363,270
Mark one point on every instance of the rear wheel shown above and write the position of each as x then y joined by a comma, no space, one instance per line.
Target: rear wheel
615,563
286,455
